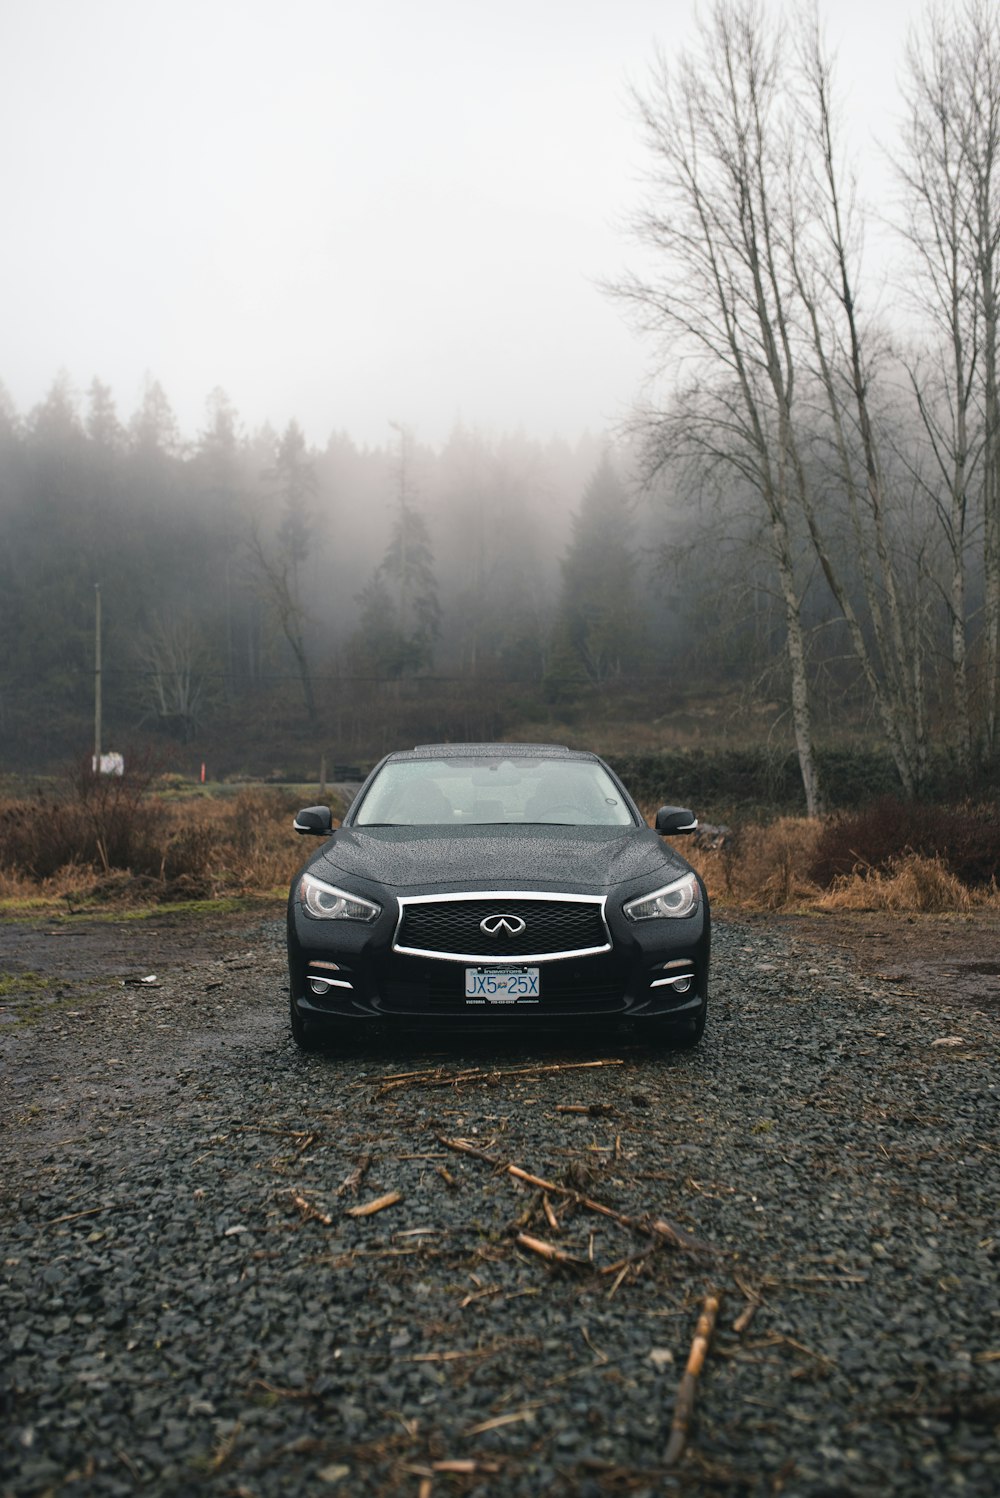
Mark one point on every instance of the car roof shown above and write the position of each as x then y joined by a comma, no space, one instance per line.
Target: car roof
491,751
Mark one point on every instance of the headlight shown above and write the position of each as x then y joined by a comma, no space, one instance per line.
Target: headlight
680,898
327,903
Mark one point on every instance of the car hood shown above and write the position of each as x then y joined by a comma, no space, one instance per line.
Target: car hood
499,857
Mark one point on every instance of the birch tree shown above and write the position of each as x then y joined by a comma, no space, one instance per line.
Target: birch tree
884,624
718,221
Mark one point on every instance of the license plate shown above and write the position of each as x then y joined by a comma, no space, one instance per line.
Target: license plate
501,985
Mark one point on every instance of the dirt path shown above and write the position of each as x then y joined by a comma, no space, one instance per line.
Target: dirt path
954,959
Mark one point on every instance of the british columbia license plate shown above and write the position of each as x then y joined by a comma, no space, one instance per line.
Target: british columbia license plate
501,985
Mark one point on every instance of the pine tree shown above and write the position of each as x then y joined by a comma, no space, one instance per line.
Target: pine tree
601,625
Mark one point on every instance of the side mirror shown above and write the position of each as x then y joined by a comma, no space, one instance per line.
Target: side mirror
671,820
317,821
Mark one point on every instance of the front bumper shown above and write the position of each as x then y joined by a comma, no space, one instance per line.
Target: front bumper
655,969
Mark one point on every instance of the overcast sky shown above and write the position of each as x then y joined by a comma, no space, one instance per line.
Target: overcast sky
347,211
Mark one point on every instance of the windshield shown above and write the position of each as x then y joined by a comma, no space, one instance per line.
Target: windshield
519,791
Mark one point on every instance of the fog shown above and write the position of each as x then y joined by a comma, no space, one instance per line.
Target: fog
343,213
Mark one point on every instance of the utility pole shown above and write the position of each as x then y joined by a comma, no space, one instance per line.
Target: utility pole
97,681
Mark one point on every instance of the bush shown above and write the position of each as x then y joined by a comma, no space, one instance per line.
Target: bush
965,840
104,821
762,867
911,882
107,832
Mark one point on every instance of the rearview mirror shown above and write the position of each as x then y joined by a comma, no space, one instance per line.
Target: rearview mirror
317,821
671,820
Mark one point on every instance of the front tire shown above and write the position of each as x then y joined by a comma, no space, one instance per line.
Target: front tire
303,1033
676,1034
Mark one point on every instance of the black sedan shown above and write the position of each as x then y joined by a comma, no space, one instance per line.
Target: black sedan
496,883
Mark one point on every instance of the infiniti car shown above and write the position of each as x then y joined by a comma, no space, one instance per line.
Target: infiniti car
496,885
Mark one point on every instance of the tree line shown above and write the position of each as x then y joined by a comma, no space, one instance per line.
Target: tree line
237,567
804,513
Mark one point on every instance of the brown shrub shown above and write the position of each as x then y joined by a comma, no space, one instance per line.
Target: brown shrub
966,840
761,867
100,821
910,883
97,841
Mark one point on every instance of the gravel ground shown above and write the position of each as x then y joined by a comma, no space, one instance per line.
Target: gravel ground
188,1305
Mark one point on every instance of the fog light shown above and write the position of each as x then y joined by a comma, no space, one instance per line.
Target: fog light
681,985
320,985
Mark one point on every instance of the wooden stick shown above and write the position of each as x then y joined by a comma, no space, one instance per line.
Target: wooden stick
438,1078
550,1252
745,1317
308,1210
672,1234
352,1181
466,1467
74,1216
684,1403
465,1148
369,1208
590,1110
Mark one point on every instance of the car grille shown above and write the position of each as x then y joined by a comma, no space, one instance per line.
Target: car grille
453,928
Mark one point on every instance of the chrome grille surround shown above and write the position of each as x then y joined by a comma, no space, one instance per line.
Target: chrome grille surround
588,909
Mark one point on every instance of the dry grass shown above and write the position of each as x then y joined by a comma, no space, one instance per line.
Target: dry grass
769,868
761,867
195,849
913,882
204,848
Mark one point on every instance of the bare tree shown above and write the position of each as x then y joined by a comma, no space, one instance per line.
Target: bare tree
174,661
884,640
977,44
719,131
950,170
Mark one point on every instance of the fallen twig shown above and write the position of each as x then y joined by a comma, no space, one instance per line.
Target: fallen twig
479,1295
592,1110
528,1413
672,1234
621,1266
465,1148
753,1303
745,1317
684,1403
224,1449
551,1253
278,1391
309,1210
677,1236
368,1209
439,1077
466,1467
352,1181
778,1339
74,1216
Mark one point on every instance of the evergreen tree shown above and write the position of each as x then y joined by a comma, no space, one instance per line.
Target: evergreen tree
400,613
601,624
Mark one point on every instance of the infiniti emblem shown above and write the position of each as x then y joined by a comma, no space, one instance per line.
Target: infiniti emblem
506,925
